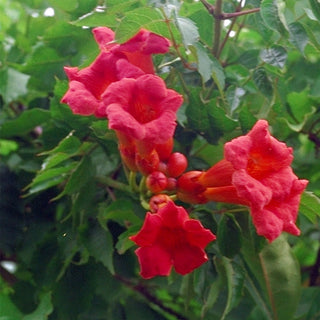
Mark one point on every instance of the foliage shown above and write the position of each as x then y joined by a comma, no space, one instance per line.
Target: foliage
68,232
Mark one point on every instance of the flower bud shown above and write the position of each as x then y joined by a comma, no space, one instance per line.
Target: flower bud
177,164
156,182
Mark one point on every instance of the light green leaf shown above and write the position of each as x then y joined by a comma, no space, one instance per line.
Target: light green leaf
69,5
282,276
233,96
8,309
310,206
147,18
188,30
275,56
13,84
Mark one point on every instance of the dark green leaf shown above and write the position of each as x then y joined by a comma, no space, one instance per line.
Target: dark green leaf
298,35
315,6
26,122
43,310
100,245
275,56
229,236
270,15
263,83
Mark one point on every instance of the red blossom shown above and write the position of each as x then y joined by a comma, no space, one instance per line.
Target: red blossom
142,108
264,178
115,61
170,238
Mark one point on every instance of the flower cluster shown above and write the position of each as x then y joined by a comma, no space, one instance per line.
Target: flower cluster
121,86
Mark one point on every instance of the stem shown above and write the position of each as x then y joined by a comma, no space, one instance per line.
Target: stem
114,184
217,27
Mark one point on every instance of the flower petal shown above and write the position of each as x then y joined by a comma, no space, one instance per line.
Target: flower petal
149,231
154,261
187,258
197,235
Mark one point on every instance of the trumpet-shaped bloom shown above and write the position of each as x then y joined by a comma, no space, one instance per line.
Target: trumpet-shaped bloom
263,177
142,108
169,238
115,61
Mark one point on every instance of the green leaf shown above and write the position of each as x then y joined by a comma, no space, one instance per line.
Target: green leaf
13,84
80,176
270,15
310,206
188,30
215,289
7,146
43,310
8,311
100,245
69,5
49,178
235,280
229,236
147,18
209,67
120,211
234,95
262,82
298,36
282,276
315,7
26,122
275,56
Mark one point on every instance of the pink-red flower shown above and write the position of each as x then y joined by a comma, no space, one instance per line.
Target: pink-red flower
256,172
264,178
169,238
115,61
142,108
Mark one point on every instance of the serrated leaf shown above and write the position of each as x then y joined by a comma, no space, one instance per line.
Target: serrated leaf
310,206
275,56
270,15
298,36
26,122
282,277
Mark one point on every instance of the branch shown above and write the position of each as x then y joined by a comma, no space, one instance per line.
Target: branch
144,291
